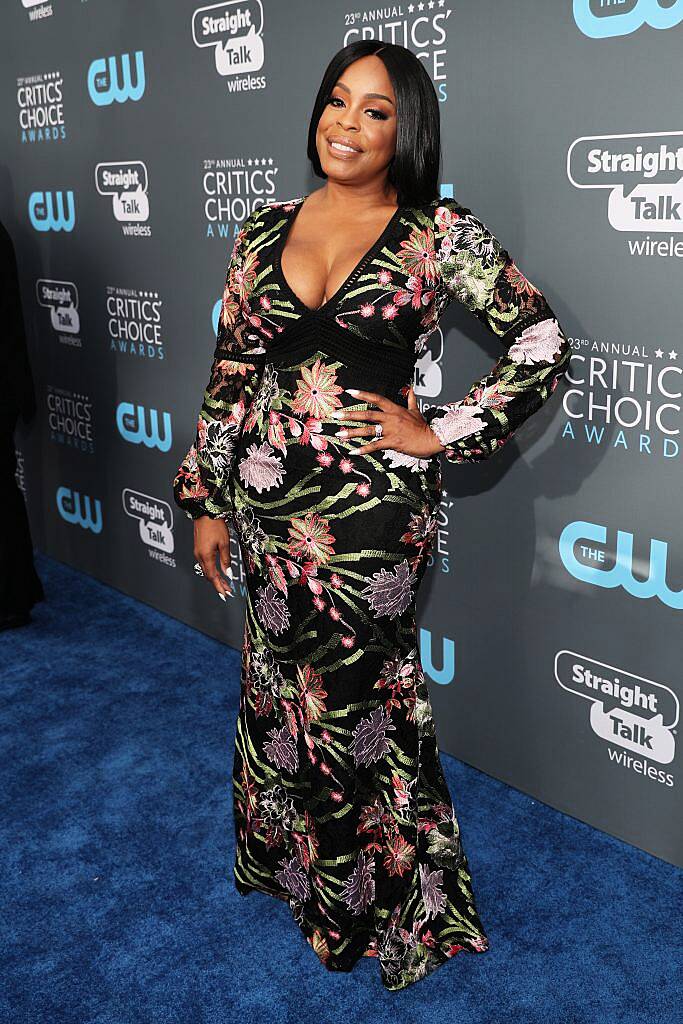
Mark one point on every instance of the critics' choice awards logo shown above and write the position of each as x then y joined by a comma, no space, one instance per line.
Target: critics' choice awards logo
126,183
70,419
624,397
603,19
155,523
52,211
627,711
234,31
134,323
584,553
140,426
41,107
37,9
233,188
61,298
422,29
79,509
113,80
643,176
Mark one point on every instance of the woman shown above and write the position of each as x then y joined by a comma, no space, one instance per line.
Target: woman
20,585
311,444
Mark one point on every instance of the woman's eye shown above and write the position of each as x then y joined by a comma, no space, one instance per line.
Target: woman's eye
377,115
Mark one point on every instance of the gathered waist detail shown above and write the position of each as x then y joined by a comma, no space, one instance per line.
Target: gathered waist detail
375,365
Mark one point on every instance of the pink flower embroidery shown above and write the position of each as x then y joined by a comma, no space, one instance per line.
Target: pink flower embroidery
458,422
538,343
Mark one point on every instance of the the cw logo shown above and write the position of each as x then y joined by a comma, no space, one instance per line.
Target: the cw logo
446,673
75,508
130,419
106,84
621,573
618,21
46,211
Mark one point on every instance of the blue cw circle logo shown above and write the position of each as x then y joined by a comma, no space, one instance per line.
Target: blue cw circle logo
78,509
621,573
108,82
616,20
131,421
52,211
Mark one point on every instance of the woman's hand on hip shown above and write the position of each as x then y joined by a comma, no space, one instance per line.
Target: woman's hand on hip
212,539
403,430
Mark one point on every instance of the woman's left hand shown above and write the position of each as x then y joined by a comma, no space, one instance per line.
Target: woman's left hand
403,430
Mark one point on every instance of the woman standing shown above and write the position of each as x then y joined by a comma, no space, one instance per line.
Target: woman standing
20,585
311,443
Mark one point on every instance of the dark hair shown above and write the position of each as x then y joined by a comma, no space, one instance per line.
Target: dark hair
414,168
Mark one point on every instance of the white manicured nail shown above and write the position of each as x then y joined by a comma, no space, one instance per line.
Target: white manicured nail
352,391
222,596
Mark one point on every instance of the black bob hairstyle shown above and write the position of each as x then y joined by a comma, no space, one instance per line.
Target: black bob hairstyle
414,168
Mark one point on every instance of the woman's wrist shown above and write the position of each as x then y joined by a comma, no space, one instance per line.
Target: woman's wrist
439,446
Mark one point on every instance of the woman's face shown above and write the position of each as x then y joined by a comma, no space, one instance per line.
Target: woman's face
356,135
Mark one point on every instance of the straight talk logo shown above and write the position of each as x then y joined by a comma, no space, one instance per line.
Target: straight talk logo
642,174
633,714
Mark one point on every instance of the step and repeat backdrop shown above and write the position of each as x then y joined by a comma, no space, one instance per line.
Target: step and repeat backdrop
135,140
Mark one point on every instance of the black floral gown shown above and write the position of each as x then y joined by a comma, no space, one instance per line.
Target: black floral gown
341,805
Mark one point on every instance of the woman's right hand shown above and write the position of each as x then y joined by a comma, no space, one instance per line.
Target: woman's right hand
212,538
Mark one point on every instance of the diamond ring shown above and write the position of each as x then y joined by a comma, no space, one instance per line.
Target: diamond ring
378,429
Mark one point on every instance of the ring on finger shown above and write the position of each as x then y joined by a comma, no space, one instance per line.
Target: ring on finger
198,569
378,429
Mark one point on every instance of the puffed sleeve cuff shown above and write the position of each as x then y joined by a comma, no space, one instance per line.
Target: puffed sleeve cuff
192,495
522,380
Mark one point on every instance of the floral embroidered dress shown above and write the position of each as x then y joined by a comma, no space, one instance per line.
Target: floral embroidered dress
340,802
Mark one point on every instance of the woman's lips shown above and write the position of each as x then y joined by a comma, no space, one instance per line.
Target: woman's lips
341,151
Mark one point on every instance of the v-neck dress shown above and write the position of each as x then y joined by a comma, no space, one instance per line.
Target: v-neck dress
341,806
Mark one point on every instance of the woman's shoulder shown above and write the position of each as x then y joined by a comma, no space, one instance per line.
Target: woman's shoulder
440,213
430,207
443,207
457,226
275,206
260,211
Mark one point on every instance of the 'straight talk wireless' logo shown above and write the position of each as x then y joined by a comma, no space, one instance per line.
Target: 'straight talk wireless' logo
234,31
61,298
643,176
126,182
627,711
155,523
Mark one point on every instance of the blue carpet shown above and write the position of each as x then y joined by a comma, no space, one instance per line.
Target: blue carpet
117,846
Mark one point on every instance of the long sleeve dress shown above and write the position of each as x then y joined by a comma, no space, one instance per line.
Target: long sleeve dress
340,802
